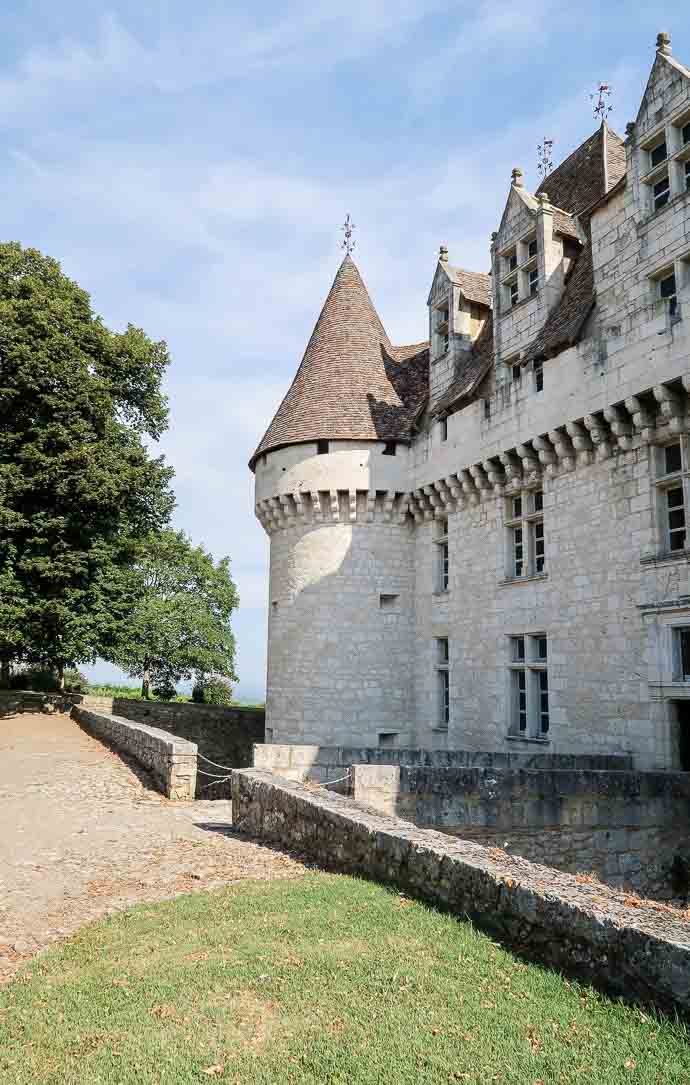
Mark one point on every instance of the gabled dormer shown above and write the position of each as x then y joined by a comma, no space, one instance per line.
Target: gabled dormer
459,305
659,140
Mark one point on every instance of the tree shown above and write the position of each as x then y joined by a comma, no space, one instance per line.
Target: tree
78,488
180,622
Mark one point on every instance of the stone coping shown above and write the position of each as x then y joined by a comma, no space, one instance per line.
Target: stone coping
609,938
172,761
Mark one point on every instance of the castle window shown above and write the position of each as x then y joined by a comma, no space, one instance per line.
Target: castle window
514,293
441,573
533,281
529,686
671,497
511,261
687,176
668,293
443,429
388,602
322,448
532,248
685,134
658,154
661,192
516,373
387,739
389,448
539,375
525,528
443,682
681,654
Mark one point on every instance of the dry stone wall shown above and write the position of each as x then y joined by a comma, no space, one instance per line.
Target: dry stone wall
587,930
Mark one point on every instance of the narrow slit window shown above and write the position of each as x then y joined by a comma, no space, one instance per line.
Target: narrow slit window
443,682
539,375
533,282
322,448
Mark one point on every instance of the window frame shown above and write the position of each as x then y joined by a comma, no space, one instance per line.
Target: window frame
442,668
538,371
661,191
528,686
441,557
525,543
666,483
533,281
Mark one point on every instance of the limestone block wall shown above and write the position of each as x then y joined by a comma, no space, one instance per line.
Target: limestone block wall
627,828
225,735
584,929
172,762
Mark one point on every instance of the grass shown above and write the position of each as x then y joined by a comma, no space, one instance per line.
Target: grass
324,979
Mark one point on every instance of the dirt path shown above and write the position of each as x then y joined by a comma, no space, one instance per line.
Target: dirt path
82,835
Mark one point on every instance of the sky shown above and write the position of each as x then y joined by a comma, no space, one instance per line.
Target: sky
190,166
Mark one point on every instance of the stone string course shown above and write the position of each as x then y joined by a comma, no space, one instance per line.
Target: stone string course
171,761
586,929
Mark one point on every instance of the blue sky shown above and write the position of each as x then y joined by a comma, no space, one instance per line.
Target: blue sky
190,164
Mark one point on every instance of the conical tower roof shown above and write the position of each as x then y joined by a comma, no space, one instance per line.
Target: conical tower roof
352,384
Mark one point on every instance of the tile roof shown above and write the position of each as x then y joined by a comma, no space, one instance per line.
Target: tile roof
469,370
475,285
565,322
352,383
582,179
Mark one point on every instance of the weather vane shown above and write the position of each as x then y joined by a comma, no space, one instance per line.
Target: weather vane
545,162
348,243
602,107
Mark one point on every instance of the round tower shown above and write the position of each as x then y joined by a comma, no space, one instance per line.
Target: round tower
331,491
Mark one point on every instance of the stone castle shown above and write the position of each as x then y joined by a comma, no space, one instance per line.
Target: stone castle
479,542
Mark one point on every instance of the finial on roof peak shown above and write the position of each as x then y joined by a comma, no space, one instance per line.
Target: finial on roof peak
443,254
348,243
544,198
516,177
663,43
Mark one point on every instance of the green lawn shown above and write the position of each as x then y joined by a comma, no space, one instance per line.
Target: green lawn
323,979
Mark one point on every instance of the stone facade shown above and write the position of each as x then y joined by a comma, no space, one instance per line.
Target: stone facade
640,952
586,387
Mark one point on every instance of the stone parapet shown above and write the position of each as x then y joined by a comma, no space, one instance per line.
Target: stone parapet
587,930
171,761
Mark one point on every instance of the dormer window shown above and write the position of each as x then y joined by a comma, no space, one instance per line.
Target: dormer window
661,192
533,282
658,154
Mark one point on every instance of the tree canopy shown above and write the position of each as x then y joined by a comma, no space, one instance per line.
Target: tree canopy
78,487
180,620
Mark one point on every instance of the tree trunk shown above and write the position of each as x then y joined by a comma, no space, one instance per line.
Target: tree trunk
4,673
146,682
61,676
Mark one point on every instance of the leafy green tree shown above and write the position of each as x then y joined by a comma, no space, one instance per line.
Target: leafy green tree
78,487
180,622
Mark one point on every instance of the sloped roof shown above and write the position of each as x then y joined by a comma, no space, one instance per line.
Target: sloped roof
565,322
475,285
352,383
470,369
586,174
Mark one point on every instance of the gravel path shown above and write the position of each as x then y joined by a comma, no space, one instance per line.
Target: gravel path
82,834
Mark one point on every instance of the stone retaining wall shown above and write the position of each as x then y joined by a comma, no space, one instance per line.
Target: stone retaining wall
225,735
640,952
320,763
171,761
628,828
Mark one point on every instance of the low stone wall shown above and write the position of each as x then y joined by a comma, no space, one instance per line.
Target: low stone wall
12,702
587,930
320,763
224,735
628,828
171,761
